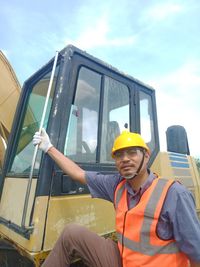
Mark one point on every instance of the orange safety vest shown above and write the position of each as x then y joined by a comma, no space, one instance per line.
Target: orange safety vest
138,241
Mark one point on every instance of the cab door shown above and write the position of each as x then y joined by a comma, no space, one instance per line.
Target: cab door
18,164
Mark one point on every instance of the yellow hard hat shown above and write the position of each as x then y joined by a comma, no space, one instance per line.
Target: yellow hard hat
127,139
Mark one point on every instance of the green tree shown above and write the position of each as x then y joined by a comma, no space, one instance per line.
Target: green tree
198,164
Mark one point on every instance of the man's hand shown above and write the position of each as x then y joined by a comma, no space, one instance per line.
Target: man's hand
42,140
67,165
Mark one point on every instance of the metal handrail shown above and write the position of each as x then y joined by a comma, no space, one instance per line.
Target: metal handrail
36,147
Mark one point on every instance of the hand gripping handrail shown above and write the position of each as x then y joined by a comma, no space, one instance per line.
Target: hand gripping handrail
28,189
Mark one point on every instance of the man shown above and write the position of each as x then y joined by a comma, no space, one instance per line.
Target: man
156,221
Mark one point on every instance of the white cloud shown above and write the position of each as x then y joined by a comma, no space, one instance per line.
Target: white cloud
178,103
97,35
183,83
162,11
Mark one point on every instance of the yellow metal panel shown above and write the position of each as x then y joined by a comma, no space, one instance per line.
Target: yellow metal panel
196,179
34,244
12,200
97,215
188,176
161,165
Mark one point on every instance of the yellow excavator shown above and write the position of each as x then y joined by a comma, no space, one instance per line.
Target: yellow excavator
9,94
83,103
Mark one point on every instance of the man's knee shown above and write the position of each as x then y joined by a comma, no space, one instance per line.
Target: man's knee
72,232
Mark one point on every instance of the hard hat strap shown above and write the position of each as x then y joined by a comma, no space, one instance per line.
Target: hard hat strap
141,164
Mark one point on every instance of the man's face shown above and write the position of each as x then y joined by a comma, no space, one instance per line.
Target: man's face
128,160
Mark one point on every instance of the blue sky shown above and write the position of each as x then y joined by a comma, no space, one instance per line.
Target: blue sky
157,42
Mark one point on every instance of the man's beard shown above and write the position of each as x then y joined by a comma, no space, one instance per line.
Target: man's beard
131,176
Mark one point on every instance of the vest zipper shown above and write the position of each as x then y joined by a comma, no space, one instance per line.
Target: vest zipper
123,232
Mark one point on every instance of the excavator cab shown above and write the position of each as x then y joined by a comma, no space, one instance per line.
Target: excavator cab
90,103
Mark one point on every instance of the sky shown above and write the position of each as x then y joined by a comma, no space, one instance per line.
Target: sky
157,42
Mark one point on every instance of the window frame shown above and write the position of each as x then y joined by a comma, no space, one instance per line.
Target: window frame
61,180
82,113
20,116
151,94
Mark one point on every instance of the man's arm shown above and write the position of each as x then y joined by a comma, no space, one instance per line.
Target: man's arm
68,166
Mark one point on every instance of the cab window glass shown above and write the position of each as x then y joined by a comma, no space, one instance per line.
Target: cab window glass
22,159
116,116
81,138
146,120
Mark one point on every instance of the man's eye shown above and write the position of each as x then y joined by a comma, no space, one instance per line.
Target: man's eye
132,151
117,155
